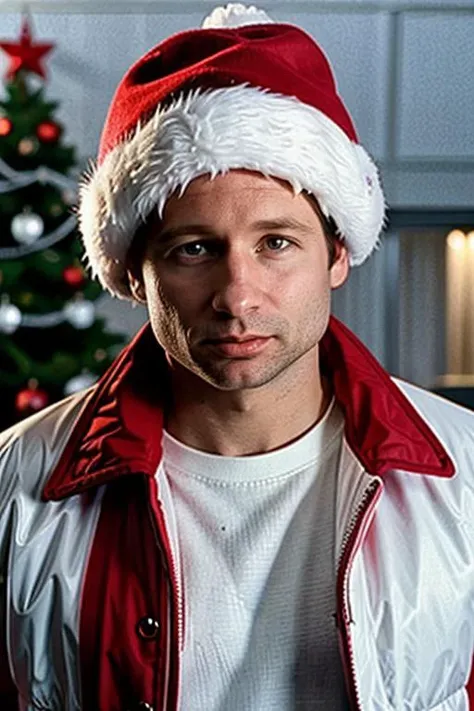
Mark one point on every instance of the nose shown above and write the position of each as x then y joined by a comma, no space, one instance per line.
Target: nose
238,286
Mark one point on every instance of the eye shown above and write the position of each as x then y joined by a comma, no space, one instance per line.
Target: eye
192,251
276,238
189,249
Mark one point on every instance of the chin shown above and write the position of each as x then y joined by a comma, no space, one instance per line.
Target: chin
240,374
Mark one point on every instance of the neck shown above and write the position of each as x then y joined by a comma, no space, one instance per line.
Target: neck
251,421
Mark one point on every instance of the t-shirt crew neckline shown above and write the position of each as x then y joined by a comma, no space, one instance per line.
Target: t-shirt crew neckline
310,447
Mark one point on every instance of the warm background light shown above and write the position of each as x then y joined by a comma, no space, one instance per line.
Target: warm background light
456,239
460,302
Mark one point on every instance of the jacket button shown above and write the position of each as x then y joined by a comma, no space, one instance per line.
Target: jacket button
147,628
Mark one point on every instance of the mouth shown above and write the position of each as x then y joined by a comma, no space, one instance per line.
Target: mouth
238,348
234,339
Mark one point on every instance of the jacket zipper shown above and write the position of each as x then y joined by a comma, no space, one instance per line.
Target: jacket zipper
157,520
350,544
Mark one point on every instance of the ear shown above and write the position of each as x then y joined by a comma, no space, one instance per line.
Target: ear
136,287
339,270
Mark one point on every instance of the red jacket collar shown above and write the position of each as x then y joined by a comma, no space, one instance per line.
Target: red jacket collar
119,431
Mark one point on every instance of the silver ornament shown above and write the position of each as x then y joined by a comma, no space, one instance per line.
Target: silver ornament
80,382
10,317
80,314
27,227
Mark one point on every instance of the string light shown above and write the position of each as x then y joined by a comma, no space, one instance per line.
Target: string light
15,179
44,242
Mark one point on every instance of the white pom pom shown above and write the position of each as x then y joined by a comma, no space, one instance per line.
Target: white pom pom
236,15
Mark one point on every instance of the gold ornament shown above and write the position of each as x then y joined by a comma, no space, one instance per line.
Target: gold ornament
25,298
51,256
56,209
27,146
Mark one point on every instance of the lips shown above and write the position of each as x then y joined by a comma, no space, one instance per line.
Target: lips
238,348
234,339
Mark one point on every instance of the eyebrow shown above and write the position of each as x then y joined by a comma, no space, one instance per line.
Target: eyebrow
281,223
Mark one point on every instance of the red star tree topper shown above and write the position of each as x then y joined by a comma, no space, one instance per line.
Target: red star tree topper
24,54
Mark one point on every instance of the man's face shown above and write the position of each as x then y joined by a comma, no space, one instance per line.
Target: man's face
236,256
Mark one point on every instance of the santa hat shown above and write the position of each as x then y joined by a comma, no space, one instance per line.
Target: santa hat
241,92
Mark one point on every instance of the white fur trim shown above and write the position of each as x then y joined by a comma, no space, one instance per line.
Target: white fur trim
211,132
236,15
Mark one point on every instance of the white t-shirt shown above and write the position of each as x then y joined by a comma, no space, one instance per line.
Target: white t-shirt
254,547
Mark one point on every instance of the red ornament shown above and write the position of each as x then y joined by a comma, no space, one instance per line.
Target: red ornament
31,399
24,54
48,131
74,276
6,126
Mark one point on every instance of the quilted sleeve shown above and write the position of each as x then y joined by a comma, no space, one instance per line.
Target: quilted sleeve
8,691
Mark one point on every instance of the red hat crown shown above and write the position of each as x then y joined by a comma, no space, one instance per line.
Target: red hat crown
280,58
258,96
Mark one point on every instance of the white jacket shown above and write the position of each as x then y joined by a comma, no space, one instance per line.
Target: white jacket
88,615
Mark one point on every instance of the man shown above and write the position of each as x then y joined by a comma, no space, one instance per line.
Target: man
246,512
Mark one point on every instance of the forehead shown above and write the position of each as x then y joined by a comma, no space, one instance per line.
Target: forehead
237,179
242,192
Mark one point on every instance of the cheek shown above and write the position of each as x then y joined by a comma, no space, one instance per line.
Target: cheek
165,289
163,310
308,287
307,303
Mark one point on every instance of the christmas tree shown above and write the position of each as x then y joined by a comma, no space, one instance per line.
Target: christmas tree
51,342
